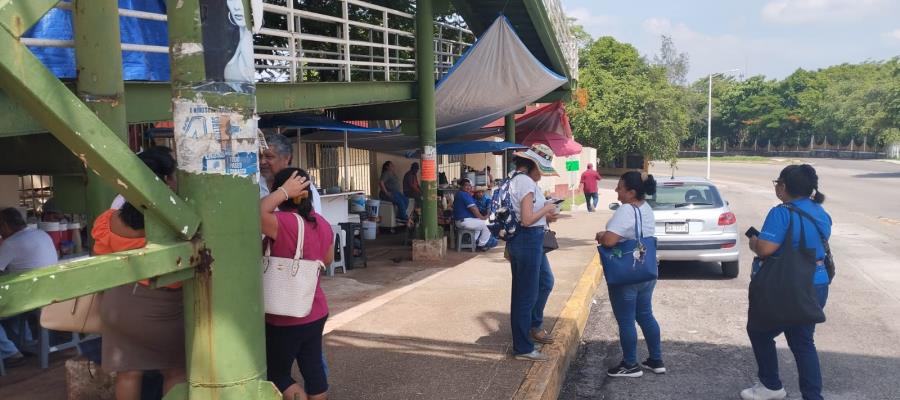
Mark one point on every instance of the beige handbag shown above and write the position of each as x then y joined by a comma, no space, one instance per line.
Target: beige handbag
289,284
81,314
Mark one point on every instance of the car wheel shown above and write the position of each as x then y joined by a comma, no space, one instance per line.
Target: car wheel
731,269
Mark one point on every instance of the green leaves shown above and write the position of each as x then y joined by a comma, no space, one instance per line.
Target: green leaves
631,107
840,103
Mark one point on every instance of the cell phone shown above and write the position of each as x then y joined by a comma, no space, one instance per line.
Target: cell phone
555,201
751,232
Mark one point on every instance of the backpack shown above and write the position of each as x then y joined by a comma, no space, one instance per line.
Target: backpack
502,220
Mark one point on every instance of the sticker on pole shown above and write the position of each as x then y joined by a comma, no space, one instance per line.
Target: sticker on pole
215,140
572,165
429,164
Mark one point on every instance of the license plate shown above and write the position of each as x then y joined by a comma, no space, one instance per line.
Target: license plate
676,227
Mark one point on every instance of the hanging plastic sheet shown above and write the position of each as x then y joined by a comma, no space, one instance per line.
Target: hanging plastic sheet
548,125
57,24
497,76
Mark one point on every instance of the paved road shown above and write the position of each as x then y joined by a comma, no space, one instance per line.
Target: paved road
703,316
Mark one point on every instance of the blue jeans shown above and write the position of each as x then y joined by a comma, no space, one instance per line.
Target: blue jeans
400,201
632,303
591,199
800,340
532,282
7,347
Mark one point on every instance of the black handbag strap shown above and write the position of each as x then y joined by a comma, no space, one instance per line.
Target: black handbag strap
804,214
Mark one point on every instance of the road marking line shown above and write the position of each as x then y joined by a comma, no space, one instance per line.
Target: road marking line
889,220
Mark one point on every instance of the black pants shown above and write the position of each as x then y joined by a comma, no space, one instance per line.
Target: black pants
303,343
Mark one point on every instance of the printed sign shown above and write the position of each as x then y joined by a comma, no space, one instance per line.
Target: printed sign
215,140
572,165
429,164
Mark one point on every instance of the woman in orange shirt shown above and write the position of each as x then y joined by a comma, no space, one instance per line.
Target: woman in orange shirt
143,328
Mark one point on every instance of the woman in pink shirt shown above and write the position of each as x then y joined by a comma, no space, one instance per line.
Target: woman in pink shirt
289,338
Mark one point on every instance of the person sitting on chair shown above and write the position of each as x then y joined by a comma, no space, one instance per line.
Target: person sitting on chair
390,190
468,217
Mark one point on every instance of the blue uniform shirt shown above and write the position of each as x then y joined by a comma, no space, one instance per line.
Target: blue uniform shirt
461,205
775,229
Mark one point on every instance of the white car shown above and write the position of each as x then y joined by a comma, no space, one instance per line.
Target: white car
694,223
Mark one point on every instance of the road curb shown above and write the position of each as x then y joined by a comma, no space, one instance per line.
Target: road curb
544,380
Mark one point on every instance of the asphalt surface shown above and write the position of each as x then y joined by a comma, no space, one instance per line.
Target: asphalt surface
702,315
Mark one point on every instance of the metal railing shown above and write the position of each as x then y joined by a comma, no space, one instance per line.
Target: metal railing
566,40
352,41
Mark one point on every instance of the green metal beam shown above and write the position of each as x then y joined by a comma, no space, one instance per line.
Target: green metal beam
17,16
151,101
401,110
223,310
544,27
561,94
24,78
274,98
40,287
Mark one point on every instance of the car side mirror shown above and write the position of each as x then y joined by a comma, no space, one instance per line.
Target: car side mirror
613,206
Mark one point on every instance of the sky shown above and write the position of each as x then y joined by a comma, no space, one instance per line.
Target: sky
768,37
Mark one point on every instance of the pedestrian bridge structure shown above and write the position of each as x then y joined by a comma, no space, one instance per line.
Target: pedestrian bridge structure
356,59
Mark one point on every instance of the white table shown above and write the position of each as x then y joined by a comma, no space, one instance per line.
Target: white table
336,206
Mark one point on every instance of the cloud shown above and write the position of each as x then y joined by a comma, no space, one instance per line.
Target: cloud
812,11
595,24
892,36
710,53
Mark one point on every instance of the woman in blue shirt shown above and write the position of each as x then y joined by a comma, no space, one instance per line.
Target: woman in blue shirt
797,186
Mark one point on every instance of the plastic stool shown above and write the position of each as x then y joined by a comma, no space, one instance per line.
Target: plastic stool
461,243
340,261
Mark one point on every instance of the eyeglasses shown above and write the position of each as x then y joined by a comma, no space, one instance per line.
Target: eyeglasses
776,182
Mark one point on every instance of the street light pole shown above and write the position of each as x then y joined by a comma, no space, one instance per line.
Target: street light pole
709,121
709,129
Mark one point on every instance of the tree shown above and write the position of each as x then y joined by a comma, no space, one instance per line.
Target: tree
631,107
676,64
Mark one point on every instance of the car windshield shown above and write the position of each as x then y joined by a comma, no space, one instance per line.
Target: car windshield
670,195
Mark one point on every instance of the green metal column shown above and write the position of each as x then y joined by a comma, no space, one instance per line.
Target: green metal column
427,125
509,125
224,324
98,59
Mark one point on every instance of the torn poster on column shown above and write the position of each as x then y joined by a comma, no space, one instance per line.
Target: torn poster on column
215,140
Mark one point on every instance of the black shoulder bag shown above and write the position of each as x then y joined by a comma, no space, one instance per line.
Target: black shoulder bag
829,260
782,294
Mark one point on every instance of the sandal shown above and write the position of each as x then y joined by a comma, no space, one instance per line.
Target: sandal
542,336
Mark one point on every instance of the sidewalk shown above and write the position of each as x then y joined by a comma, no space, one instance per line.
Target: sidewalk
401,329
447,336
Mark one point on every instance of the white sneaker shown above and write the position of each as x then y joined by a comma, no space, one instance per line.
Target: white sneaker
760,392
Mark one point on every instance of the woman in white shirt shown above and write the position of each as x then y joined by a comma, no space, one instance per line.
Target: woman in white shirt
633,302
532,279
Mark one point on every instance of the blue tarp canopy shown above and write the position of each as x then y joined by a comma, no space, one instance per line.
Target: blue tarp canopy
136,66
